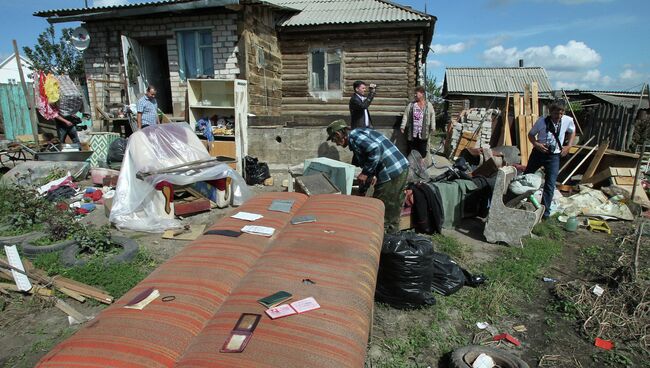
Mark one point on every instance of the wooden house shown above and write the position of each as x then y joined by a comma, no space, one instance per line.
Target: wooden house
300,57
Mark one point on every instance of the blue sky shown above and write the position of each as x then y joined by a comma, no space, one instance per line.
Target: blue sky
593,44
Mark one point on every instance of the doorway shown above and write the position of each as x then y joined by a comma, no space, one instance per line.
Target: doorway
147,63
156,71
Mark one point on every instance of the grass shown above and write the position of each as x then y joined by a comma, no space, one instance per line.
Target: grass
512,278
40,346
551,228
115,278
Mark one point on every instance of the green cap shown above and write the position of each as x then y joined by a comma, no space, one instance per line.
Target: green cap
334,127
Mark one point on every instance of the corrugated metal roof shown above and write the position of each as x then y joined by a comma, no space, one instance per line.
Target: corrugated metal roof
66,11
320,12
495,80
622,101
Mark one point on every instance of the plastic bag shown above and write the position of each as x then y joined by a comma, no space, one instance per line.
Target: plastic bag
137,205
417,168
116,151
448,276
256,172
405,271
52,89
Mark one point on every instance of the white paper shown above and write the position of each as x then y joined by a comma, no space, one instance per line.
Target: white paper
247,216
598,290
258,230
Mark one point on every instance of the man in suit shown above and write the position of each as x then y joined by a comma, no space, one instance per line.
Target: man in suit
359,103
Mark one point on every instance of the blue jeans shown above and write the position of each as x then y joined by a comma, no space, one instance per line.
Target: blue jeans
551,164
63,131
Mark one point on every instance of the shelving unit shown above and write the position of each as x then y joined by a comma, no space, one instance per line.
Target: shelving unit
222,97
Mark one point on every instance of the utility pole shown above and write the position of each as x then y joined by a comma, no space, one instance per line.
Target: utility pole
30,105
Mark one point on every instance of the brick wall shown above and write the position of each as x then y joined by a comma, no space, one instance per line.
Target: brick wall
106,46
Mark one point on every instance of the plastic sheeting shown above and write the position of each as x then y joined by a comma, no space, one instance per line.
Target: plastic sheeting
593,203
137,205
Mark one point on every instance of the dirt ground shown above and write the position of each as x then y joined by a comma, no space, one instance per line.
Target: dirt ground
29,329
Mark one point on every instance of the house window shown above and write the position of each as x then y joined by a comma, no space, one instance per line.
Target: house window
325,70
195,53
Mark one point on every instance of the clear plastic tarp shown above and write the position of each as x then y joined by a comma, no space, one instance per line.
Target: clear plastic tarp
137,205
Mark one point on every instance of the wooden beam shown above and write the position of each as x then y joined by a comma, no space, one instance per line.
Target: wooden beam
527,100
591,170
505,139
67,309
578,166
31,106
516,104
575,155
534,91
571,108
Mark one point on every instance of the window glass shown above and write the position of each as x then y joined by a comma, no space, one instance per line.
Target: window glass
195,53
318,70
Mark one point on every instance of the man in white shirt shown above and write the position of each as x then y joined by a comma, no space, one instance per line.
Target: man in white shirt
547,137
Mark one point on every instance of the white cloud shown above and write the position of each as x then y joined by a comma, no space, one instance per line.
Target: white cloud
434,63
573,56
630,74
455,48
109,2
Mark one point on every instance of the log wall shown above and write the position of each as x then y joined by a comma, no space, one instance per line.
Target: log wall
385,58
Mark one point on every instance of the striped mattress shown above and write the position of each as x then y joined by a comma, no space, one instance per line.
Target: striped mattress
216,278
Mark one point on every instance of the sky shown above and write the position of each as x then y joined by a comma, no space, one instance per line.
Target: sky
587,44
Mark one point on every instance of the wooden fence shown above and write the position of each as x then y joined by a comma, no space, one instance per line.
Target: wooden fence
613,123
14,110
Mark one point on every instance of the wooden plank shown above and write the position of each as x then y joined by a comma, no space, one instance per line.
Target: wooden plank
578,166
523,139
527,109
534,91
72,294
591,169
504,138
81,288
67,309
193,207
516,104
575,154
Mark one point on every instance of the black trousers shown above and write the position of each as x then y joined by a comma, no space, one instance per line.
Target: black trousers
419,145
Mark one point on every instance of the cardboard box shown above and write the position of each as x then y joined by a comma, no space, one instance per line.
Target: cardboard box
222,148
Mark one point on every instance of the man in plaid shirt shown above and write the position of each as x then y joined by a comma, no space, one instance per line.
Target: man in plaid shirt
147,108
382,165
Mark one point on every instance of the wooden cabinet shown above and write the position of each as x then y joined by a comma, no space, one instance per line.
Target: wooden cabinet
224,98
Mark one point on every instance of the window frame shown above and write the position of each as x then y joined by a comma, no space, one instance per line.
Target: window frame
326,51
182,72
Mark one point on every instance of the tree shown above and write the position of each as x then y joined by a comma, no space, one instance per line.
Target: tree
57,57
432,88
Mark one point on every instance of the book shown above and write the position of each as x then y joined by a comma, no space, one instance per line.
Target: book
303,219
246,216
275,299
281,205
143,299
258,230
300,306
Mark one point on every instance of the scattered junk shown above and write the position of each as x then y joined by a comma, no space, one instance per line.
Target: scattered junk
477,356
25,278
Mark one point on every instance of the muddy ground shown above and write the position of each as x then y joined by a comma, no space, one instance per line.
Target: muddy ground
29,328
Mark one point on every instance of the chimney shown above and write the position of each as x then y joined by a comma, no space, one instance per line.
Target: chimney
521,63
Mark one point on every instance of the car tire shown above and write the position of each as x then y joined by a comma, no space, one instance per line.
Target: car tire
31,250
129,251
19,239
465,356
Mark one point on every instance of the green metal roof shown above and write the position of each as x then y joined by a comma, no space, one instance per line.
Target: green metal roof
495,80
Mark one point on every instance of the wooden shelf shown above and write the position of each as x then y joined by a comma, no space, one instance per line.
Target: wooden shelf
211,107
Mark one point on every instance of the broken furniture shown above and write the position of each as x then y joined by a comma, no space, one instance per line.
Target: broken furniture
318,183
164,153
221,97
504,224
339,173
216,278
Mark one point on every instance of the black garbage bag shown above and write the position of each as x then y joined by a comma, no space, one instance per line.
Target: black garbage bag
405,271
256,172
449,277
116,151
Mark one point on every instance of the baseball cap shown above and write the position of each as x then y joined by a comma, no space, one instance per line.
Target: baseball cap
334,127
